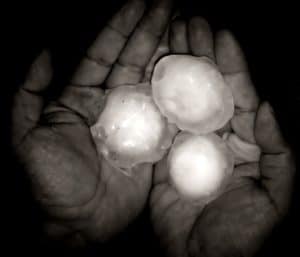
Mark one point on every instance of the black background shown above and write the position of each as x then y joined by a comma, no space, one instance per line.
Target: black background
269,36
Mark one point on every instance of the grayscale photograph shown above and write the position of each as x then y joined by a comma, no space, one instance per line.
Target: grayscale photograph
157,128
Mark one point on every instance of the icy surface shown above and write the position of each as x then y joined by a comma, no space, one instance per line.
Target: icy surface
199,166
191,92
131,129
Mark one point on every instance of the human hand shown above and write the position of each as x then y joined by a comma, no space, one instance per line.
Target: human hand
257,197
86,198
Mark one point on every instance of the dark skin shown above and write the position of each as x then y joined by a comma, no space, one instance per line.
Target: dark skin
257,197
86,198
83,195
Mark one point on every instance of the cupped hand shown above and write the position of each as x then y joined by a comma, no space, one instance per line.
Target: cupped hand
257,197
84,197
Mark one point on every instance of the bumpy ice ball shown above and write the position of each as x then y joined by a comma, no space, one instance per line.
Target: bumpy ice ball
131,130
191,92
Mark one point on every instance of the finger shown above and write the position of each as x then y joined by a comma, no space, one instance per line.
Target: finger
76,104
267,132
243,175
242,151
94,69
161,196
162,50
28,101
248,170
161,172
142,174
277,172
232,64
243,125
178,37
139,49
82,100
200,38
277,165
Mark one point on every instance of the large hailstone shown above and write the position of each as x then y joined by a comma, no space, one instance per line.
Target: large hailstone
199,166
131,130
191,92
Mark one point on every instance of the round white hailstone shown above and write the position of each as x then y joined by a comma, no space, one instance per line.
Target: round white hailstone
199,166
131,130
191,92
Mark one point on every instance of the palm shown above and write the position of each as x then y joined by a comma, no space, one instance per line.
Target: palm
237,222
222,228
80,191
79,183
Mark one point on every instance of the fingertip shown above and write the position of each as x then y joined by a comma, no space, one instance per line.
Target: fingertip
159,15
175,15
200,37
232,63
47,62
199,20
177,25
141,45
44,61
45,56
163,4
138,5
267,131
265,113
267,108
128,16
177,22
109,43
40,73
229,55
198,23
28,103
178,36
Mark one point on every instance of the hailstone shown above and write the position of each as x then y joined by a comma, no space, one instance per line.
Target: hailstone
199,166
131,130
192,93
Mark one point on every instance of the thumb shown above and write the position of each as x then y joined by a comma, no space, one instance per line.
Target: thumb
276,164
267,131
28,100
